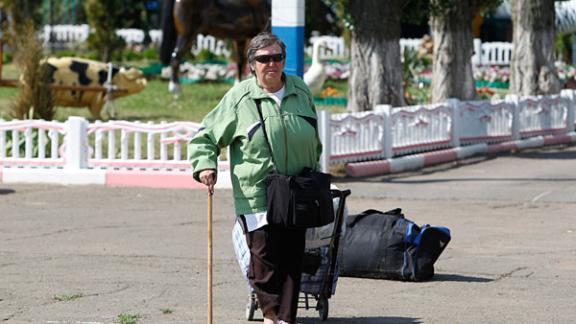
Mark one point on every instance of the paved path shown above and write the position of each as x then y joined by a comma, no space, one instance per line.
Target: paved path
87,254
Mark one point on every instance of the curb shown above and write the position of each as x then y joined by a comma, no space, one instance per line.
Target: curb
419,161
111,178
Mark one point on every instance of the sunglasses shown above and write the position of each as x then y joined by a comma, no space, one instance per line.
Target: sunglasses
267,58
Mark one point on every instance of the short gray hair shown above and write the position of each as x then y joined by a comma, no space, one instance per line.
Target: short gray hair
260,41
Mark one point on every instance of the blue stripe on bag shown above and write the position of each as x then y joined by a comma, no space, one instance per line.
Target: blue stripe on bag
418,238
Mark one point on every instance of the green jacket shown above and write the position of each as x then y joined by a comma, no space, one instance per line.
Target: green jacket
291,129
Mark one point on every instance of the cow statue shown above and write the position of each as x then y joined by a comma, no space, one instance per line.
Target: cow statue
72,71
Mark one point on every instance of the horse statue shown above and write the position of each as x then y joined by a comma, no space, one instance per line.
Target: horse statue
183,20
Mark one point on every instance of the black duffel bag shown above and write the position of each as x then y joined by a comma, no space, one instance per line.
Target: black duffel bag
388,246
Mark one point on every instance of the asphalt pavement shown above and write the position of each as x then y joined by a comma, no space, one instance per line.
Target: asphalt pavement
90,254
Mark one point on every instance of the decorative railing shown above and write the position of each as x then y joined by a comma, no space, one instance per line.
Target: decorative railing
421,128
542,115
137,145
356,136
32,143
486,122
384,133
389,132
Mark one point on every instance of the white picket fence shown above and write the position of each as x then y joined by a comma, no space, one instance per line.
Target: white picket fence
384,133
495,53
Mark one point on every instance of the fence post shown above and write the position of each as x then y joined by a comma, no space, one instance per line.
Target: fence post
570,114
515,101
477,57
386,112
454,105
76,155
325,138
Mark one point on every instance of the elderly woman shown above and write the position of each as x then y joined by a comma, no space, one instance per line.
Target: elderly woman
290,123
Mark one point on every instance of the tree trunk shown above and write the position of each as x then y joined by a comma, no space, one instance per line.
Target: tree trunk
376,69
532,70
453,48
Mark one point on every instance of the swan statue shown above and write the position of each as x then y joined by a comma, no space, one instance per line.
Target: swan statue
316,73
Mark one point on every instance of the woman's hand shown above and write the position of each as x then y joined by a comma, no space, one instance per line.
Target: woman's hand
208,177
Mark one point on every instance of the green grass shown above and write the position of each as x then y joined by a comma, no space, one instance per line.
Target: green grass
65,297
154,103
167,311
128,318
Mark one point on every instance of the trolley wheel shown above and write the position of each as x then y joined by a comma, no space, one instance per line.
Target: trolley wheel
322,308
251,307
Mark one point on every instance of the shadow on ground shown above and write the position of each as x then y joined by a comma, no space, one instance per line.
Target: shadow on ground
481,179
459,278
547,155
363,320
6,191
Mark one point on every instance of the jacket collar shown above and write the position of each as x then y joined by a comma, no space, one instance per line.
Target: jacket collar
256,91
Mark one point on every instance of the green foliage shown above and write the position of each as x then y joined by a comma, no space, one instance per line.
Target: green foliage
20,142
22,12
129,54
342,8
321,16
563,42
413,65
155,103
66,52
205,55
7,57
132,55
35,99
417,94
67,297
128,318
444,7
415,91
104,18
150,54
414,11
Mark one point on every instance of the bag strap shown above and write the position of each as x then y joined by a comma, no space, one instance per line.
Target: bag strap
351,221
258,106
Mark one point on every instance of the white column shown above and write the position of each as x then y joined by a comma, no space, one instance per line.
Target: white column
477,57
325,138
2,142
76,155
571,113
456,122
515,101
386,112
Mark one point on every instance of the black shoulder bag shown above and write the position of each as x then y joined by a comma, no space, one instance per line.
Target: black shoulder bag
297,202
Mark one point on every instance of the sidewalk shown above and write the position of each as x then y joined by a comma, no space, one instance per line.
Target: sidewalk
79,254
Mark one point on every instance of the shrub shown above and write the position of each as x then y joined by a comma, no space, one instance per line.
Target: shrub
35,99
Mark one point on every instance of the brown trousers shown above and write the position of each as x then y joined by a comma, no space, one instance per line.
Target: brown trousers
276,269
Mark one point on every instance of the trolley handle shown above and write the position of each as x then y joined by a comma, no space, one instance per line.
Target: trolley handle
334,241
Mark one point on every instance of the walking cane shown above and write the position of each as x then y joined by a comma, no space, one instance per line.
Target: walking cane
209,257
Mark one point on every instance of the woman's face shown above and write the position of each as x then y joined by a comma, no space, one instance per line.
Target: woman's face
269,65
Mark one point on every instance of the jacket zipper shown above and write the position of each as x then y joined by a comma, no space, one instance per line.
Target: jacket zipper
279,109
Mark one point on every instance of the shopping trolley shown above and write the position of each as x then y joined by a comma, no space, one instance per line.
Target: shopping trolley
322,246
